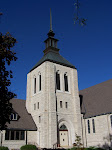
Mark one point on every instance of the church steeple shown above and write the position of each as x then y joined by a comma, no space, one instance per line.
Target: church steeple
51,42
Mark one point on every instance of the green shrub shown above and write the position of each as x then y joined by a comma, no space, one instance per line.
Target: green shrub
3,148
93,148
77,148
90,148
29,147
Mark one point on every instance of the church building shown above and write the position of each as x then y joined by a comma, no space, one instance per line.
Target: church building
55,111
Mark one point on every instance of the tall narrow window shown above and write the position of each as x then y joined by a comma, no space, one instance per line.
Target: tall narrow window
39,82
111,120
57,80
38,105
60,104
66,105
66,82
39,119
88,126
12,135
7,135
93,122
34,85
17,135
22,135
34,106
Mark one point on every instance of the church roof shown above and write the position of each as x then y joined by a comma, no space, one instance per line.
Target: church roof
25,120
97,100
55,57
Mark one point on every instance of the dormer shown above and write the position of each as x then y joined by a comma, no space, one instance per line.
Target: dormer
14,116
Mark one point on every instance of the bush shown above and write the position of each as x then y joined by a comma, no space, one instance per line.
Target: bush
3,148
77,148
29,147
93,148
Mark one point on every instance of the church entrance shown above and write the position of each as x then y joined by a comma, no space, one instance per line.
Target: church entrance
63,135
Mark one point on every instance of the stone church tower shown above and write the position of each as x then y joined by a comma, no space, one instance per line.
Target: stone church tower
53,97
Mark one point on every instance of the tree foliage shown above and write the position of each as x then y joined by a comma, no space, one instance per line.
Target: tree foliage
6,57
78,143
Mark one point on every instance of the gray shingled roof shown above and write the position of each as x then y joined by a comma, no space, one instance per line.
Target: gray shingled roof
25,122
97,100
54,57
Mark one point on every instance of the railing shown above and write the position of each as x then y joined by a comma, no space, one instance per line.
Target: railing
55,145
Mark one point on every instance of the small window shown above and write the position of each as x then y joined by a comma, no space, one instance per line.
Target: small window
39,82
38,105
17,135
34,106
39,119
66,82
60,104
57,80
14,116
66,105
34,85
12,135
111,120
6,135
22,135
93,122
11,116
88,126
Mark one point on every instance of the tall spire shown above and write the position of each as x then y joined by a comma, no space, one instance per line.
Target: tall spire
51,33
51,42
50,20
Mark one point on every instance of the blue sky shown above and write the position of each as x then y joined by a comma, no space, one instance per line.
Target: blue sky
89,48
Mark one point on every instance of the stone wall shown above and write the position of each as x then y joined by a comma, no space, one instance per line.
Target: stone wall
103,131
47,129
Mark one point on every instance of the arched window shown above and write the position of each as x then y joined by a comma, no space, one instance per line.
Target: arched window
63,127
66,105
111,120
93,123
57,80
60,104
39,81
66,81
34,85
88,126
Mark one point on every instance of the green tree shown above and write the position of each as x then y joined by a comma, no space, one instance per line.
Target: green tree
78,143
6,57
